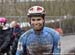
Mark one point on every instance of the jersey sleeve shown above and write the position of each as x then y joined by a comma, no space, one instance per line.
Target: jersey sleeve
21,45
56,47
56,41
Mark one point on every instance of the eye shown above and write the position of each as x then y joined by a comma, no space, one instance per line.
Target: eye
33,19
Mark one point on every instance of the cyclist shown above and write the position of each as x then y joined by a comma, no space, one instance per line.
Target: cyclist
39,40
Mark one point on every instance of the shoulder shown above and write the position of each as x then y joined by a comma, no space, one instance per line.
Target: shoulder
24,35
28,32
52,31
49,30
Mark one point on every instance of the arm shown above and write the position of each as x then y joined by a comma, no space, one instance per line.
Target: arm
21,49
21,46
56,49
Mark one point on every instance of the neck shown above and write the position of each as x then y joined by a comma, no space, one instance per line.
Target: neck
38,32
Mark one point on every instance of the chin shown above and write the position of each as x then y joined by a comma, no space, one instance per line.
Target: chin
38,29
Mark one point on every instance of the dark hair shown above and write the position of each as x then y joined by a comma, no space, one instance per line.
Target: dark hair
37,15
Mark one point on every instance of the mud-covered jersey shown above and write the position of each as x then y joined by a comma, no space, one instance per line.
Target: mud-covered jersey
45,43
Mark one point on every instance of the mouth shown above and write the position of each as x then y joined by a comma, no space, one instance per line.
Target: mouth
37,25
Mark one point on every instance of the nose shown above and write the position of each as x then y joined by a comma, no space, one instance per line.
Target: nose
36,22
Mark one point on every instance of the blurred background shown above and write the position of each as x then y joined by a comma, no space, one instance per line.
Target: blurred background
58,13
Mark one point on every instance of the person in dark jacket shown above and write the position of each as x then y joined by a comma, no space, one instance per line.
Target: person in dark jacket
17,31
5,37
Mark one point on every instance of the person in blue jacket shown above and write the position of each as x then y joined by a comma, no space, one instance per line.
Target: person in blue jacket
39,40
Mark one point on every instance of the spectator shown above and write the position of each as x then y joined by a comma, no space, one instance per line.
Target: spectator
59,30
5,37
17,31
